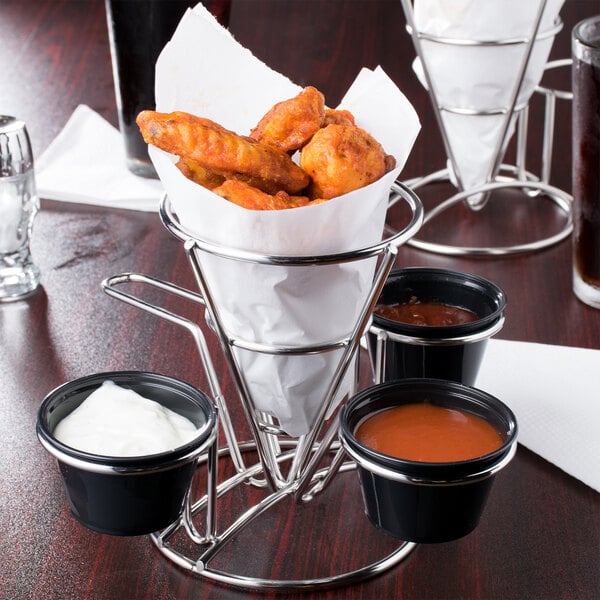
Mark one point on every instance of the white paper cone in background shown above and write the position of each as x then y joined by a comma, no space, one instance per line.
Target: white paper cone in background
481,78
289,306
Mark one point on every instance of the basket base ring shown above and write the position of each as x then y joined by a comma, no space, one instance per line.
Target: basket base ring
201,566
526,183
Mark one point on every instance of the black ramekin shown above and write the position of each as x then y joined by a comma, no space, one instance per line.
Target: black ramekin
454,352
128,495
419,501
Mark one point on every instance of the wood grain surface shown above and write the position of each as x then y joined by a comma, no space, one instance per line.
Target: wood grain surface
540,534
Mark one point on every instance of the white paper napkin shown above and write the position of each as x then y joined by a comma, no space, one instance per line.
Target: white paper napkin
554,392
85,164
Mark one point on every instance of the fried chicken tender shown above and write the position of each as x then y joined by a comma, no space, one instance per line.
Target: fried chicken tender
246,196
185,117
343,158
198,174
222,151
291,123
338,116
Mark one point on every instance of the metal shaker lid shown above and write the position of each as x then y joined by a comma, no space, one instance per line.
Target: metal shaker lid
16,156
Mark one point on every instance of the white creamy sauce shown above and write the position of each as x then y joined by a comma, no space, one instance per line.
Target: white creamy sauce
114,421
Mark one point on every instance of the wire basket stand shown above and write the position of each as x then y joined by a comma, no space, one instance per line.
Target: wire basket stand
501,176
312,460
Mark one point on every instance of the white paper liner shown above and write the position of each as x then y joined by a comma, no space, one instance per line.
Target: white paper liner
289,306
480,78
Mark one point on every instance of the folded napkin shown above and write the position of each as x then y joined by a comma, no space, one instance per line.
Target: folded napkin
554,392
86,164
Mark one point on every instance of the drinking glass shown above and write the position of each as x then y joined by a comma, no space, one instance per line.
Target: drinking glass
19,276
138,31
586,160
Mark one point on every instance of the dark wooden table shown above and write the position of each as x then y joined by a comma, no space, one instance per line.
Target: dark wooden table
540,535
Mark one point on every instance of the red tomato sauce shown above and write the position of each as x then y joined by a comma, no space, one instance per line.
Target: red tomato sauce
427,433
426,313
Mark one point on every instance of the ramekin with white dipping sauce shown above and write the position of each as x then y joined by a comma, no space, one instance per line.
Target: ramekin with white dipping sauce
127,445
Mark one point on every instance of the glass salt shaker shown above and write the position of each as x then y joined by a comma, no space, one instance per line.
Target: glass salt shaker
19,276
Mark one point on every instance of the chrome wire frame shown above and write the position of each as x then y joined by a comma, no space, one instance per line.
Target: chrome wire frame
306,477
209,547
382,471
501,176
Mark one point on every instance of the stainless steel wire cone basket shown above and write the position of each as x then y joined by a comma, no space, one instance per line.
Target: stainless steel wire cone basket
463,120
282,468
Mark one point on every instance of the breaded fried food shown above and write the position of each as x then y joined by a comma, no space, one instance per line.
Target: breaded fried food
185,117
338,116
246,196
343,158
222,151
291,123
198,174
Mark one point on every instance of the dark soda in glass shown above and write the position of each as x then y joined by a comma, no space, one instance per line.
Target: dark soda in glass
138,31
586,160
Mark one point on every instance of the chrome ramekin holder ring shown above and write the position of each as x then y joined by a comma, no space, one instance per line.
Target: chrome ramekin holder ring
377,344
503,176
306,477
